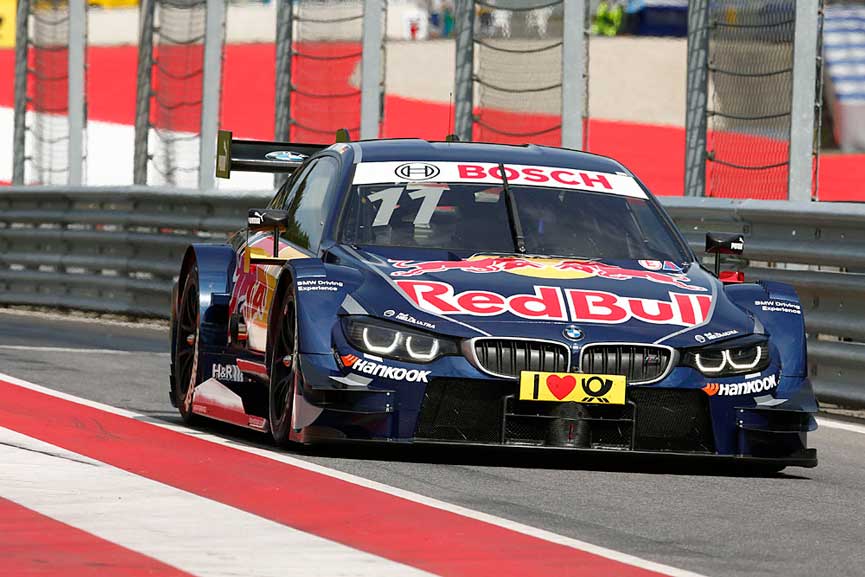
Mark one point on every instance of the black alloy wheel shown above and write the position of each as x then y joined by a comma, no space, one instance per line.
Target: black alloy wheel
283,369
186,356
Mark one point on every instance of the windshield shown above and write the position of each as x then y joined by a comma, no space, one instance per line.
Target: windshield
474,218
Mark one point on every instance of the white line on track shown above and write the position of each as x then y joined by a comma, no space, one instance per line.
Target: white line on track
842,425
190,532
408,495
88,318
78,350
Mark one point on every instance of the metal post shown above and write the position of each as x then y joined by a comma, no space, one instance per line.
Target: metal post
214,34
804,100
284,34
20,127
370,70
77,44
573,73
284,39
464,25
697,98
142,97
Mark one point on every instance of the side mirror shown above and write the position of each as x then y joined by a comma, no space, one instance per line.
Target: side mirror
723,243
263,219
266,219
731,277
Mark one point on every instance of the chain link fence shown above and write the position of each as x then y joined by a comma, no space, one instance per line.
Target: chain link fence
326,51
844,39
48,93
176,93
750,90
518,72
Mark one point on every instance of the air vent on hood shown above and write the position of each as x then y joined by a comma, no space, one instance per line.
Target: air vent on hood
507,357
641,364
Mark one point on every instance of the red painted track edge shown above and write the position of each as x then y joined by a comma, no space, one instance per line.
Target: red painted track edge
389,526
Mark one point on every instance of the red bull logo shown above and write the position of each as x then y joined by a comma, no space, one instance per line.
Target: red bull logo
558,304
541,268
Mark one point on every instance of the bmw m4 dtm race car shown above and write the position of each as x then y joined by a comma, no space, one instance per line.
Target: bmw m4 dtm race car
443,292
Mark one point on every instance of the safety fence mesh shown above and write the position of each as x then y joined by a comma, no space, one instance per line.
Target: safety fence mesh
175,108
750,91
518,71
48,92
326,56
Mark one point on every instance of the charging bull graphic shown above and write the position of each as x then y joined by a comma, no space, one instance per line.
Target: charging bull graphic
540,268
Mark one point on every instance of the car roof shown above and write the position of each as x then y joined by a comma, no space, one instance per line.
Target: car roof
409,149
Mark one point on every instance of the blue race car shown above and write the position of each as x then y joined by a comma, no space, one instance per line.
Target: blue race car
444,292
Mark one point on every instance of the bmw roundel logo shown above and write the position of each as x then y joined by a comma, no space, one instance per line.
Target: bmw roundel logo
417,171
573,332
285,156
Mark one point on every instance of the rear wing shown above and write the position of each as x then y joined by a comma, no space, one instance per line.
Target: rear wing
259,155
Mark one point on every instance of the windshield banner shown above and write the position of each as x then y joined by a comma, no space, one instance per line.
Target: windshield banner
489,173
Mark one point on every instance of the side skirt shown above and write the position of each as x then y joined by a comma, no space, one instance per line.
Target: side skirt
214,400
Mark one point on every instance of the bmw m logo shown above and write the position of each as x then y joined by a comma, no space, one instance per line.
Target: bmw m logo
417,171
573,333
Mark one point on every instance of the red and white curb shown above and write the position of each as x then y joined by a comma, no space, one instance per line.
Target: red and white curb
88,489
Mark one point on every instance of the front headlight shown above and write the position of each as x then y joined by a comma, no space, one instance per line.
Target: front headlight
394,341
739,357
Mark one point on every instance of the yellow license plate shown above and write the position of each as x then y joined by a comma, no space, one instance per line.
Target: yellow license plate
572,387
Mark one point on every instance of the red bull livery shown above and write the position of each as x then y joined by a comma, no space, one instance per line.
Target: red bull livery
456,293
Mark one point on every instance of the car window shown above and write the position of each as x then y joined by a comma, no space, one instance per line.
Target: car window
474,218
281,199
306,203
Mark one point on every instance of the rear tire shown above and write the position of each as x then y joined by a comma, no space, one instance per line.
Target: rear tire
283,367
186,349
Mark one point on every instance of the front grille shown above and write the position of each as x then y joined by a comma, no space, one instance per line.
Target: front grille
672,420
641,364
508,357
485,411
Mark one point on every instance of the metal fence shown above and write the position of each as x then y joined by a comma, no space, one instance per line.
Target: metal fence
118,250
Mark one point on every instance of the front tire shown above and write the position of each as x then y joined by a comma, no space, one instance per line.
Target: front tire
283,368
186,349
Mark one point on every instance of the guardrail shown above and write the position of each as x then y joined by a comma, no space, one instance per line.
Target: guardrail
819,249
111,249
117,249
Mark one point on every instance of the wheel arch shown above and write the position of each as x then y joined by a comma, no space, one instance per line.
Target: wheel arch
285,280
787,328
216,268
317,310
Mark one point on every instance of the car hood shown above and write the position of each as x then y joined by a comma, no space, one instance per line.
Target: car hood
679,304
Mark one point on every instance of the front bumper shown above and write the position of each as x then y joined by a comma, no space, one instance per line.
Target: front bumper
656,420
807,458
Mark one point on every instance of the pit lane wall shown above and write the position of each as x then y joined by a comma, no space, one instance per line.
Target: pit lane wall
118,249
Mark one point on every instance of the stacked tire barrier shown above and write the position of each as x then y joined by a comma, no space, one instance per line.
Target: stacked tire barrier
118,250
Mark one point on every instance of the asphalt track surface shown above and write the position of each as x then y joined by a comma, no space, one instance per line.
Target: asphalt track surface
705,519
